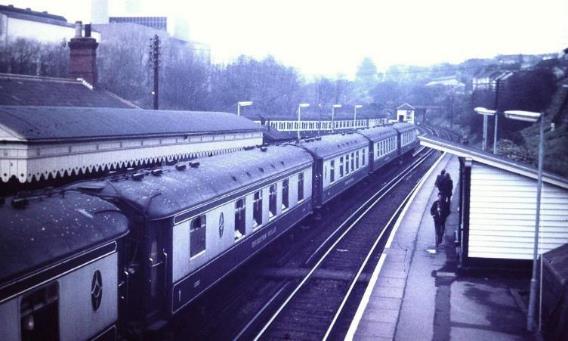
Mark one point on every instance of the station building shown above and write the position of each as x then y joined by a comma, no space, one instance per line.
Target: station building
497,200
51,128
405,113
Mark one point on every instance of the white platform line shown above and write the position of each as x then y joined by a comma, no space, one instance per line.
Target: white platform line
416,189
375,276
365,299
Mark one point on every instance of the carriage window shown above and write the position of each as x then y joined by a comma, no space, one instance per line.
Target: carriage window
300,186
257,209
197,235
352,161
364,157
272,201
39,314
240,221
347,164
285,194
341,166
332,171
357,159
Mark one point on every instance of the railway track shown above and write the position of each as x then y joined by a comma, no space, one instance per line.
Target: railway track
238,307
310,308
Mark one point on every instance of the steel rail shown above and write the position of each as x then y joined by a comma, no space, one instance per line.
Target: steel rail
385,189
375,200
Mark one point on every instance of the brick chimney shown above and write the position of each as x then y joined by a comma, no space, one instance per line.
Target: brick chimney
83,55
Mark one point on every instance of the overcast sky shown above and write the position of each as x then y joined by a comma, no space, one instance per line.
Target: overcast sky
331,37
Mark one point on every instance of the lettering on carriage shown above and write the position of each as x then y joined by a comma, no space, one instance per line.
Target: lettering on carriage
263,237
259,240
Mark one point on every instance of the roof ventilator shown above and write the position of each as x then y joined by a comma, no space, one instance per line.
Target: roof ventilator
264,149
194,164
157,172
19,203
181,166
138,176
171,162
91,187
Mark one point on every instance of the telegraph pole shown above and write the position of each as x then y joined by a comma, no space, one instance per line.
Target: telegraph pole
155,63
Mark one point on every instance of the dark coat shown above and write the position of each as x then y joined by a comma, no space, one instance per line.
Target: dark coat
440,182
447,185
439,212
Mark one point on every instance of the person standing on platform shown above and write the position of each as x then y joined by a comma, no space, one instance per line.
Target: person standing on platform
447,189
439,214
440,181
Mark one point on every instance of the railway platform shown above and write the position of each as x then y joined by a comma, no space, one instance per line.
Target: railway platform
416,294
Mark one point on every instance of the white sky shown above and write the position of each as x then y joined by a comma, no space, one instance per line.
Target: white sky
331,37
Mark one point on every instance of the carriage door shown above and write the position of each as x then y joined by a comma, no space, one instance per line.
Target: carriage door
157,261
317,185
39,314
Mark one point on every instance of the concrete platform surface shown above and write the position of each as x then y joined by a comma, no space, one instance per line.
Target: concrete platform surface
416,294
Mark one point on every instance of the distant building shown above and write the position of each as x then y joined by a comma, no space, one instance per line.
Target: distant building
405,113
158,23
450,82
137,12
487,79
18,23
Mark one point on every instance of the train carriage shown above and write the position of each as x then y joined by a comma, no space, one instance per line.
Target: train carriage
196,223
407,137
340,161
59,267
382,146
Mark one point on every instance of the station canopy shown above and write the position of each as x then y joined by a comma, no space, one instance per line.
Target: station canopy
40,142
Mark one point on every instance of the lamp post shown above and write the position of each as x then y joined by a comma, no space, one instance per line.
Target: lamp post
488,112
355,107
533,117
242,104
300,106
333,116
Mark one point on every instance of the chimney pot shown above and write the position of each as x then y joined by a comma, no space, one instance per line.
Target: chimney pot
78,29
88,30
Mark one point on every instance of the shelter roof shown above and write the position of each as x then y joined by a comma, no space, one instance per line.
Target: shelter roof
40,124
489,159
